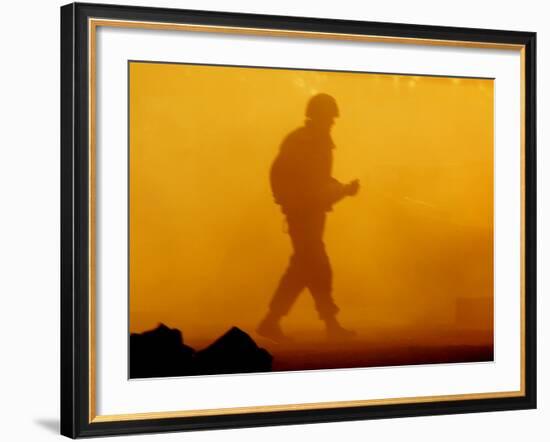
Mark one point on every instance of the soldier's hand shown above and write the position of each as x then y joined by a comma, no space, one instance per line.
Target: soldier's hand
352,187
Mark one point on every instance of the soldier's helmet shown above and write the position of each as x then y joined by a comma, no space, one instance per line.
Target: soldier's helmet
322,106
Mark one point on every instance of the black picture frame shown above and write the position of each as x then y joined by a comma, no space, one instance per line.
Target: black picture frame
75,221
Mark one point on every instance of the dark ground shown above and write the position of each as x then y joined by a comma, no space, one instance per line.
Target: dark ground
162,352
381,348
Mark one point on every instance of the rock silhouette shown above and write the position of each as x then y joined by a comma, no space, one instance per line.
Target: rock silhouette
161,352
158,353
234,352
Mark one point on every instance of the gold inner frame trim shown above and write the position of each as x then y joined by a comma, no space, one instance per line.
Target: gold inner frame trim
290,407
93,24
301,34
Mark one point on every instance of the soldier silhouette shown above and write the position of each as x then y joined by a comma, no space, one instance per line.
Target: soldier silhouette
302,184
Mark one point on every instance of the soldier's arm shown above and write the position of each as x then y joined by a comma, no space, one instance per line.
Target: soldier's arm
337,190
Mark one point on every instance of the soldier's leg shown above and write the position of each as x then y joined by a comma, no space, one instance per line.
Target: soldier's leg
321,289
320,283
289,288
290,285
314,262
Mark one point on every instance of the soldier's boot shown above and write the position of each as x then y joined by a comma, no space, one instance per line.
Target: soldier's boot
270,328
335,330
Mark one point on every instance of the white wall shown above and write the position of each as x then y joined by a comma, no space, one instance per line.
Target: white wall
29,225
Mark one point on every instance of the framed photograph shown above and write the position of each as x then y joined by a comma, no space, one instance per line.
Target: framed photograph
273,220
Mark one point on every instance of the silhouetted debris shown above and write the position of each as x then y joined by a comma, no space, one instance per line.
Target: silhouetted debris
234,352
161,353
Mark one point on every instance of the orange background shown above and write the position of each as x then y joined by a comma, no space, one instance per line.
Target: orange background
412,251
